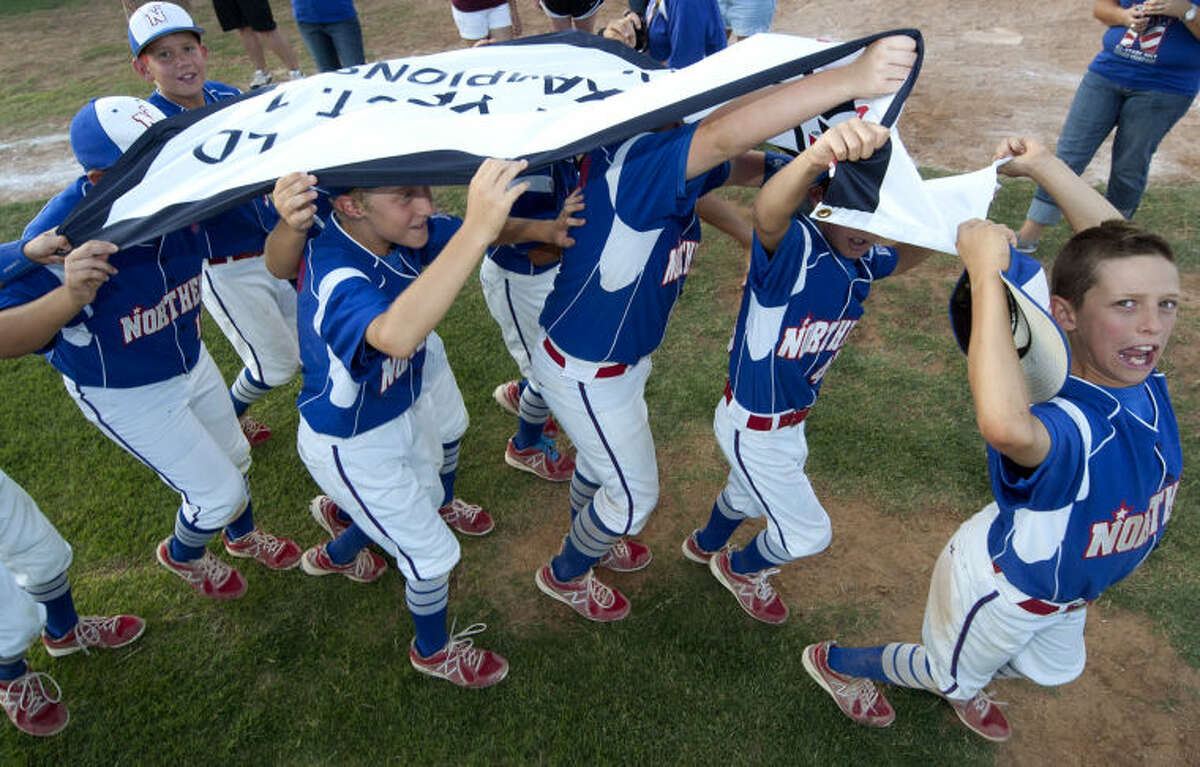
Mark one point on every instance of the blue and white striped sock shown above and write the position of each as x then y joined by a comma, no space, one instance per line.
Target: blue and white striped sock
532,413
60,613
246,390
583,490
587,541
188,542
722,521
449,470
427,603
899,663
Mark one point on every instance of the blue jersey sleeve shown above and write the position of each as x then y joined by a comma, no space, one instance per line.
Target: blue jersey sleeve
653,181
441,229
13,263
1055,482
882,261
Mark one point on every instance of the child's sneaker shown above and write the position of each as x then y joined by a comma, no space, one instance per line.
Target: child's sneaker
366,567
460,662
466,518
105,632
326,514
209,576
30,707
692,550
754,592
585,595
626,556
541,459
274,552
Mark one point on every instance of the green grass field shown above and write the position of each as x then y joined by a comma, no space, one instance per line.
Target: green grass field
314,671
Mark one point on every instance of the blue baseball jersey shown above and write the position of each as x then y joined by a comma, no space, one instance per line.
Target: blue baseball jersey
681,32
242,230
617,285
549,187
349,386
798,309
1099,503
144,324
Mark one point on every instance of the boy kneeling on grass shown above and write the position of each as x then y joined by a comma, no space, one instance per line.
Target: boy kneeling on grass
1083,482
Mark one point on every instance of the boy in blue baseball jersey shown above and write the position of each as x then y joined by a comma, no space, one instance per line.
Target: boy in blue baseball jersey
615,290
372,287
130,353
804,294
1083,483
253,309
516,280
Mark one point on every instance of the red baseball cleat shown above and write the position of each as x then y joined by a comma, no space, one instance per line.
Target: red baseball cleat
255,430
855,696
107,633
209,576
264,548
541,459
626,556
754,592
30,707
466,518
460,662
585,595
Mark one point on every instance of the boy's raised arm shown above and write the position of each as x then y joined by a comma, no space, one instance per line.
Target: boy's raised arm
993,368
745,123
293,197
1083,206
401,329
773,206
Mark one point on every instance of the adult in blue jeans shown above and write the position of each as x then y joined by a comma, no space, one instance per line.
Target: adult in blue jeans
1143,80
330,31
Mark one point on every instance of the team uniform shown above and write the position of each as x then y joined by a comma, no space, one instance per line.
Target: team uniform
254,310
607,312
1009,592
515,290
132,356
799,307
371,430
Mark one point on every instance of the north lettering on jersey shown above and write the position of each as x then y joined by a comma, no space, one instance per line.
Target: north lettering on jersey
140,322
1128,530
679,261
391,369
814,336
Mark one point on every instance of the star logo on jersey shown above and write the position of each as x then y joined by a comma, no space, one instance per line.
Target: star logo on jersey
1121,512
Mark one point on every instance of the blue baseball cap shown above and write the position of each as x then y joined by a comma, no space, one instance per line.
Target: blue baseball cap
106,127
154,20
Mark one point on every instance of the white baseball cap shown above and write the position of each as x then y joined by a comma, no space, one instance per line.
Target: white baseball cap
106,127
153,20
1041,344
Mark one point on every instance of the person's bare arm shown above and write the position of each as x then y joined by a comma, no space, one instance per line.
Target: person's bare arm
745,123
29,327
773,207
294,199
1083,206
993,368
401,329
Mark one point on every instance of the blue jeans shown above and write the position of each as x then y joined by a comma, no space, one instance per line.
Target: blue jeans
333,45
1142,119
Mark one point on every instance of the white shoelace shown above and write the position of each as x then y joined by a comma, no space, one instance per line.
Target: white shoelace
468,511
597,591
87,630
28,692
762,587
461,650
208,566
265,541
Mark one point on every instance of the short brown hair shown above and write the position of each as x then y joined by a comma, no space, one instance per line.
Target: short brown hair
1074,271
